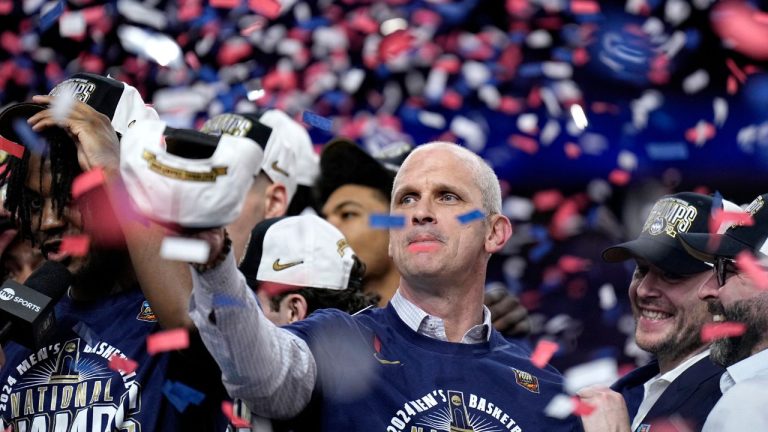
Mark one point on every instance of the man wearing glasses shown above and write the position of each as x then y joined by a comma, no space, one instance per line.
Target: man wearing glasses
682,382
740,296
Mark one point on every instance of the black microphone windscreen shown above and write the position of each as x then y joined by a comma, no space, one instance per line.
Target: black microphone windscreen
51,279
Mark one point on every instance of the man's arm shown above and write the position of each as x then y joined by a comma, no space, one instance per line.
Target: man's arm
610,414
269,368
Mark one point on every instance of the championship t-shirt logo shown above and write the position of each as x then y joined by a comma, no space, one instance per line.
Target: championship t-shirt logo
146,313
451,411
69,386
526,381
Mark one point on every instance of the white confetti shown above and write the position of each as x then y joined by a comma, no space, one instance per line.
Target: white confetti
539,39
579,117
607,297
603,371
470,131
72,24
676,11
528,123
518,208
155,46
696,81
627,160
557,70
142,14
432,119
560,407
185,249
475,73
550,132
435,84
352,80
490,95
720,106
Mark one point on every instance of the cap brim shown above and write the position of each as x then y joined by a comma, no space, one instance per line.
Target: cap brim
22,111
342,162
669,259
706,247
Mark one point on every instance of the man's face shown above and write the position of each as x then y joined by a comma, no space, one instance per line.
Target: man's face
433,188
279,317
252,213
739,300
48,227
667,311
348,209
20,259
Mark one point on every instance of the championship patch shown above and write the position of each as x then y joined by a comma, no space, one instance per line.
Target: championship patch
526,380
146,313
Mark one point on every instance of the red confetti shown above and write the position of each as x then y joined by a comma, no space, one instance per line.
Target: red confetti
376,344
233,52
93,14
167,341
452,100
547,200
395,44
76,245
701,132
87,181
572,150
510,105
581,408
573,264
738,73
273,288
534,98
118,364
580,57
449,65
227,409
6,7
11,42
544,351
228,4
192,60
524,143
619,177
584,7
531,300
720,330
749,265
10,147
720,217
268,8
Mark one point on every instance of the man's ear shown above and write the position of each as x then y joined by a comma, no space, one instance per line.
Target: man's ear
275,200
500,230
296,306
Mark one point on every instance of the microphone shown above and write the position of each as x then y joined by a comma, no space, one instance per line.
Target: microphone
26,311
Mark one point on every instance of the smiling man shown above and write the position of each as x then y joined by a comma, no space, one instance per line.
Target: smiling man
682,381
738,297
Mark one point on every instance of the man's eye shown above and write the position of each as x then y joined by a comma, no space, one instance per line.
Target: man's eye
639,272
672,277
347,215
408,199
449,197
36,204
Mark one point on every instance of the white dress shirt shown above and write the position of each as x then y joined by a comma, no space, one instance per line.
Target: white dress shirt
744,405
655,387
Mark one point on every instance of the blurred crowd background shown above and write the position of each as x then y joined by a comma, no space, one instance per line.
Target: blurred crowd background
588,111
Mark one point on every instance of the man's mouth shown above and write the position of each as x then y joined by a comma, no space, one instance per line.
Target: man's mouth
654,315
717,311
51,252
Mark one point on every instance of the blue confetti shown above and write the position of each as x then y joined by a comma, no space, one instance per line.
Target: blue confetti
540,251
182,395
667,151
317,121
470,216
89,336
222,301
34,142
386,221
717,202
50,17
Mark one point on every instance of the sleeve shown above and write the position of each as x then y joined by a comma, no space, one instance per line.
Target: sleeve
742,408
269,368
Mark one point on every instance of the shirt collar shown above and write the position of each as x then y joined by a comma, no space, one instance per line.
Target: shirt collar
425,324
749,367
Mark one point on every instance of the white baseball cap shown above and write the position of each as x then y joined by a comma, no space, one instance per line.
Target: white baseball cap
187,185
304,251
117,100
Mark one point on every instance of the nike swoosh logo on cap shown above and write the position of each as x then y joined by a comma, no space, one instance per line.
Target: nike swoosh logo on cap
280,170
276,266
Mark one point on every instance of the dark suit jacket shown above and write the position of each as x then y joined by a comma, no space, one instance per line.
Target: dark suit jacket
691,396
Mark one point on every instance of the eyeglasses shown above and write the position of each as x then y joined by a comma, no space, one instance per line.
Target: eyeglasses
723,267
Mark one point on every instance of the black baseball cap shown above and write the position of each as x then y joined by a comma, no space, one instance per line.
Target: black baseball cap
343,162
24,111
658,243
737,238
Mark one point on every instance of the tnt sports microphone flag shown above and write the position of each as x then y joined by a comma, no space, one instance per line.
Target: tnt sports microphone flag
191,192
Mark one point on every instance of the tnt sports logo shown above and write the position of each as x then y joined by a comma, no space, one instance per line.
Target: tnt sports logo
7,294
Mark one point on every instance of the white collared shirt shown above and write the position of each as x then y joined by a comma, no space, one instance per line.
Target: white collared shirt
431,326
745,397
655,387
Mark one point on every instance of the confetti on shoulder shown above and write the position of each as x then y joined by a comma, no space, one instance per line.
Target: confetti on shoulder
317,121
122,364
11,148
227,409
470,216
386,221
